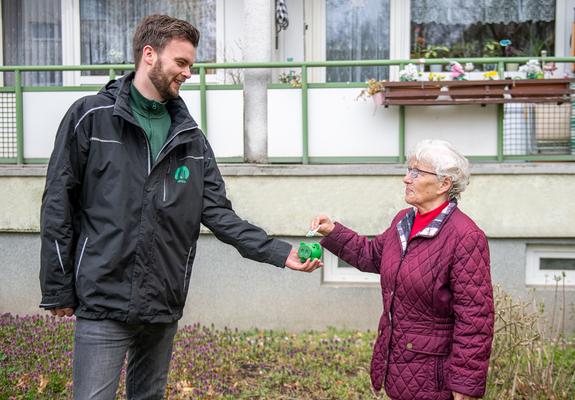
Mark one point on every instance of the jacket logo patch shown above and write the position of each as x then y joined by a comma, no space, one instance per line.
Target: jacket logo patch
182,174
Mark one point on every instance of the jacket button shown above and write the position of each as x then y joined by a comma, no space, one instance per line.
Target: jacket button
409,346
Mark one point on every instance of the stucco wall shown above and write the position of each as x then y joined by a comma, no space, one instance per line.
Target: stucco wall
515,205
506,201
227,290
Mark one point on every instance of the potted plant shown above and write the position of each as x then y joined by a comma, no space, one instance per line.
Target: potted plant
409,74
434,52
374,90
510,51
532,70
491,49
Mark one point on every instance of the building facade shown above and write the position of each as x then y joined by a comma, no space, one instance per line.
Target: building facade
290,151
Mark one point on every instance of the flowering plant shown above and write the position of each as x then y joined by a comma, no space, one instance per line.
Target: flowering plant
457,72
409,73
532,69
292,78
435,77
374,89
491,75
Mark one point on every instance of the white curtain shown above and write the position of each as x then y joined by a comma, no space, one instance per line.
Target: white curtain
468,12
357,30
32,35
107,26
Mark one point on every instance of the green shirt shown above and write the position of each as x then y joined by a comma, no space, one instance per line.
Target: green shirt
153,117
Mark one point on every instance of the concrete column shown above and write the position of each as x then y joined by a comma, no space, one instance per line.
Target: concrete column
258,20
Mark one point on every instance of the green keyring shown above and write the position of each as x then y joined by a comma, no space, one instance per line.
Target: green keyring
309,250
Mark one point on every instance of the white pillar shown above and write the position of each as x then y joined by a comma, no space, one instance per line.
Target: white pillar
258,20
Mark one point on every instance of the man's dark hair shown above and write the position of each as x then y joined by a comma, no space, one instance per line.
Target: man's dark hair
158,30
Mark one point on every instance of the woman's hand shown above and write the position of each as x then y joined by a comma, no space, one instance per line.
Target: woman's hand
322,225
459,396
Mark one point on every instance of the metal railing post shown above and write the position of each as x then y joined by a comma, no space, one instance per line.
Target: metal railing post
203,102
401,134
19,117
500,115
304,115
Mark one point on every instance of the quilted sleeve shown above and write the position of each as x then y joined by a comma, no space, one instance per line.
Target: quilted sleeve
470,281
356,250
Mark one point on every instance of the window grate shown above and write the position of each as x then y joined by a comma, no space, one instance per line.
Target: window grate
8,133
538,129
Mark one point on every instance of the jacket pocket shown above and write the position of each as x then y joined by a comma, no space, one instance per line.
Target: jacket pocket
430,352
429,345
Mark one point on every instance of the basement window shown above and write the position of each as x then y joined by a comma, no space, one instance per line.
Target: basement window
549,265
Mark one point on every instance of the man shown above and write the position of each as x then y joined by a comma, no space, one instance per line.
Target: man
130,180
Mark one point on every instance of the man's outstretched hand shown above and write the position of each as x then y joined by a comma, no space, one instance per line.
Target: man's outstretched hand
293,262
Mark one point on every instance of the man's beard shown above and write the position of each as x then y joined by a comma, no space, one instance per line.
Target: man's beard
162,82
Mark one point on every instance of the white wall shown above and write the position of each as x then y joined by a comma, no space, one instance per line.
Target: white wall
43,112
225,119
472,129
340,125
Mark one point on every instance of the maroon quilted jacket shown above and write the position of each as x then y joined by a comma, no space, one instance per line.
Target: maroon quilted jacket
436,329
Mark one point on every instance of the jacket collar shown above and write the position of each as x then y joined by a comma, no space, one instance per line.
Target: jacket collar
406,223
119,89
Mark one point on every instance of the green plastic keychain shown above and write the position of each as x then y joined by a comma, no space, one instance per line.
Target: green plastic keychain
309,250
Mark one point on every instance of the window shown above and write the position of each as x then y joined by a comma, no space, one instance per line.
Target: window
336,270
357,30
107,27
469,28
547,264
32,35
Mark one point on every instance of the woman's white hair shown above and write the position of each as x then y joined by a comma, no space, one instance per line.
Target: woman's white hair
446,161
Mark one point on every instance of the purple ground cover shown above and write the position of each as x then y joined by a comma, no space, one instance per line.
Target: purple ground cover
207,363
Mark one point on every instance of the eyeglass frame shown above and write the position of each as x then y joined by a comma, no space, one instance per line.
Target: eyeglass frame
417,172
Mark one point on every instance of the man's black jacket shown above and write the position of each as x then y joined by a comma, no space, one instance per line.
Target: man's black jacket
119,230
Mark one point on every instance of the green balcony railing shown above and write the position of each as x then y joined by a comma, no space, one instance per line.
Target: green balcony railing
18,89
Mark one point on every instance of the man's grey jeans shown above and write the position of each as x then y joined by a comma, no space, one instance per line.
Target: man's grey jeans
100,347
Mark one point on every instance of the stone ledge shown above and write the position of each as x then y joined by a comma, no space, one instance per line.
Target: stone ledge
527,168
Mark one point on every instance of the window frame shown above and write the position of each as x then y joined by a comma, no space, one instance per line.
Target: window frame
71,53
536,277
400,33
333,274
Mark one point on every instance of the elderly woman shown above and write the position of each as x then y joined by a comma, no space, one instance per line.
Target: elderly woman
435,333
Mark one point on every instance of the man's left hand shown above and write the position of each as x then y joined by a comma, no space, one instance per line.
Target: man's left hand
293,262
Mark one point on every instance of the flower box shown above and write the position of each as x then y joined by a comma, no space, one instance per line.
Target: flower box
477,92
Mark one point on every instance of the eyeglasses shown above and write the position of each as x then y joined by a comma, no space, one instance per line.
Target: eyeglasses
415,172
